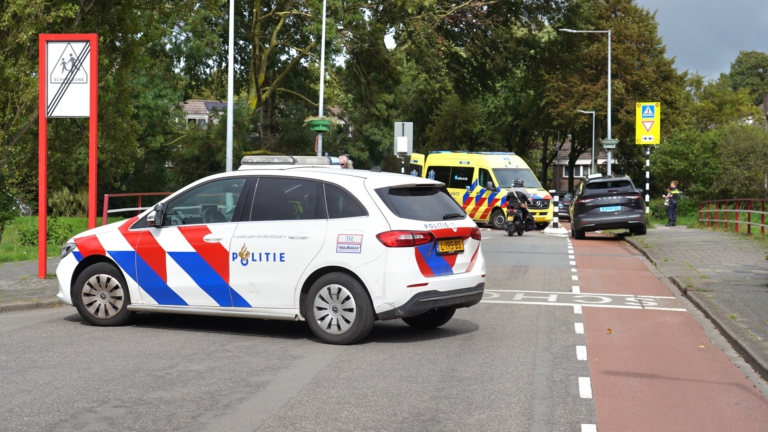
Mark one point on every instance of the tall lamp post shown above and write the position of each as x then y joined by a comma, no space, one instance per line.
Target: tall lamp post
230,83
592,165
322,84
608,143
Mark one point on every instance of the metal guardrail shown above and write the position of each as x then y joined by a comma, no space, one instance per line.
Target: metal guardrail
735,207
138,208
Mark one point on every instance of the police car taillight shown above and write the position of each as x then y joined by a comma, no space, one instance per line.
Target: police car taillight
405,238
476,234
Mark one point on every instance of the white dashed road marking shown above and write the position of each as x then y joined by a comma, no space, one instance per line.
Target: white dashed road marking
581,353
576,289
579,327
588,428
585,387
577,310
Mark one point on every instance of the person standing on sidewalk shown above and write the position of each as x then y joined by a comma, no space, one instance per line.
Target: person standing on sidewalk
672,196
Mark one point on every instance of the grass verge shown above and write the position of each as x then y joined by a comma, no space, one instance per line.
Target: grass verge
12,250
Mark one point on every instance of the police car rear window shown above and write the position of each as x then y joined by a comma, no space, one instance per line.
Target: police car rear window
421,203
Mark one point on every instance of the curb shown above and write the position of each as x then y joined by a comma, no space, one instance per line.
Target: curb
753,352
30,305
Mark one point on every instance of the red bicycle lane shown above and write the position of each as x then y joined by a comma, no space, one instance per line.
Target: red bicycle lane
655,370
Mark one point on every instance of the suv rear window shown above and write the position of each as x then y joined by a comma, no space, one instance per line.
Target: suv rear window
605,185
421,203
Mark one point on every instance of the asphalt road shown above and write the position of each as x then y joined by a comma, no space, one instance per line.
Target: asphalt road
500,365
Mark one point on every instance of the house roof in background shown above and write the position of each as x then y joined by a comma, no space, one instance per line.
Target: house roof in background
201,106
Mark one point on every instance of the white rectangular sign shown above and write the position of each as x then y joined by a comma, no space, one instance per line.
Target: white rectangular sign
68,73
403,130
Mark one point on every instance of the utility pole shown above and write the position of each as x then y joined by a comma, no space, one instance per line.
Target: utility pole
322,85
230,84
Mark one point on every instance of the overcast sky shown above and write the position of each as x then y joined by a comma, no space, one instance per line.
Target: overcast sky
707,35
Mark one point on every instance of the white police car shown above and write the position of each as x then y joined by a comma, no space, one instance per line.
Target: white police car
277,240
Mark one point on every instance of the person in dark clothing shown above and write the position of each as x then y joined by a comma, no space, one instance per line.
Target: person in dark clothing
672,196
517,198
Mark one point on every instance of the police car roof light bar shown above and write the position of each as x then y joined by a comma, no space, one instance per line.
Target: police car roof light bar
285,160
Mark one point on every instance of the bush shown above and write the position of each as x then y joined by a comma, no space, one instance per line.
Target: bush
59,231
7,204
65,203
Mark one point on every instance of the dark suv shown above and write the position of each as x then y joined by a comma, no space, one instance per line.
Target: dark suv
607,203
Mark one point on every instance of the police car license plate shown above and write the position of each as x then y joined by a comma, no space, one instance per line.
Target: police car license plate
610,209
450,246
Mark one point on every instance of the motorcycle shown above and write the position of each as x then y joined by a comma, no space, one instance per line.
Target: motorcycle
515,222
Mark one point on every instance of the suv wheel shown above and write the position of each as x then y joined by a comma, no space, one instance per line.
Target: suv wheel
498,220
640,230
338,310
101,296
431,319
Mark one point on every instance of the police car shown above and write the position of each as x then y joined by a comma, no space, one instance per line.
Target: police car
289,238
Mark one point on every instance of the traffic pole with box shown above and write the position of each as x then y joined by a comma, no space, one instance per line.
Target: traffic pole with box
556,207
648,132
647,180
403,142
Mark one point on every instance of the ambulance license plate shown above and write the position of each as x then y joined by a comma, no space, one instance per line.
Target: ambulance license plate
450,246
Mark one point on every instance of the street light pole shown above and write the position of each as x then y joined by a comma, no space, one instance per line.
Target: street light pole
230,83
322,84
609,143
592,165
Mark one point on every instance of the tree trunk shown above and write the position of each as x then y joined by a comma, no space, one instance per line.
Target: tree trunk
265,118
544,164
573,156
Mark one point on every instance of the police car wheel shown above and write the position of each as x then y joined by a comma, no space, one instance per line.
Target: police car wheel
101,296
497,219
431,319
338,310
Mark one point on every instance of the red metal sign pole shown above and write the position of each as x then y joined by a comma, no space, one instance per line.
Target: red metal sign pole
93,139
93,133
42,157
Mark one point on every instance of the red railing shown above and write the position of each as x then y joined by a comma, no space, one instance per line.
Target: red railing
138,209
734,207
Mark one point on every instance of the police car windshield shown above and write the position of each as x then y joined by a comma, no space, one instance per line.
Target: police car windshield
507,177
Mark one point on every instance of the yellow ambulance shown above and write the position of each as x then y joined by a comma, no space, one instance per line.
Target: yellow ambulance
479,182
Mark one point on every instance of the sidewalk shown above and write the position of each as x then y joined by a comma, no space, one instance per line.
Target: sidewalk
20,288
725,275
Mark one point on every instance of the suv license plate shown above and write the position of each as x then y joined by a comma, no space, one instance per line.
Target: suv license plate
450,246
610,209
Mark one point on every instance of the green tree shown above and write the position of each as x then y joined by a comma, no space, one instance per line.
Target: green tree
742,153
750,71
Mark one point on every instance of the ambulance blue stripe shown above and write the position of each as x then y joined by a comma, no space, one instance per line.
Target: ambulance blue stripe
492,196
436,263
155,286
78,256
479,195
503,200
206,278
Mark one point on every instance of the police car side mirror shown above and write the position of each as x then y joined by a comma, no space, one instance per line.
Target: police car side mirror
489,185
155,218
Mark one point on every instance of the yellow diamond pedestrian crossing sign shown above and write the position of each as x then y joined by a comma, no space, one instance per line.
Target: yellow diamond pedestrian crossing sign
648,123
